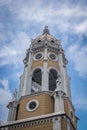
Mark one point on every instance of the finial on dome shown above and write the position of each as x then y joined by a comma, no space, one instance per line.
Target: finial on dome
46,30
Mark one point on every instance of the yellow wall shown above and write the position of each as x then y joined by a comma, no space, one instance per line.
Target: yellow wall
45,106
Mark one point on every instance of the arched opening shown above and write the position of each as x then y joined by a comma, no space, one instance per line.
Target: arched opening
37,76
39,41
52,79
52,41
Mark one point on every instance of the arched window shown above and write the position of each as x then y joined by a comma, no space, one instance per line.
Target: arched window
52,79
37,76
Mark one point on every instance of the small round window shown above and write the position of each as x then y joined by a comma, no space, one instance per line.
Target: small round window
38,56
32,105
52,56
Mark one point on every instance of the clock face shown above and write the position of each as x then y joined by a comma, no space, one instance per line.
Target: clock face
32,105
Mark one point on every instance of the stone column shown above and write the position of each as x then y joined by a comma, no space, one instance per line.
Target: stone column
58,97
28,78
58,101
12,106
68,124
57,123
45,72
60,61
9,106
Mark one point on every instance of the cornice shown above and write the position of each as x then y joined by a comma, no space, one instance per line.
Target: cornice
23,123
31,120
35,94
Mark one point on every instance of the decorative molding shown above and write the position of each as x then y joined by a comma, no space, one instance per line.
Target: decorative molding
33,120
35,94
23,123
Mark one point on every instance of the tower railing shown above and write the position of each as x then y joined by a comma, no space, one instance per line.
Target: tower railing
36,87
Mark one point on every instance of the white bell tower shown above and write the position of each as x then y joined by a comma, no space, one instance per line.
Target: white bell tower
46,52
44,98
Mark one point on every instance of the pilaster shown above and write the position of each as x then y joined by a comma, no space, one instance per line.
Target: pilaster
12,106
58,101
64,77
68,124
58,97
28,78
60,61
57,123
45,72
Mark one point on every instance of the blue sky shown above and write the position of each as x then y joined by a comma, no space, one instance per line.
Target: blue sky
22,20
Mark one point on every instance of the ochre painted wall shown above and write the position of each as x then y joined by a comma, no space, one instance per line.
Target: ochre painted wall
70,112
53,64
37,63
45,106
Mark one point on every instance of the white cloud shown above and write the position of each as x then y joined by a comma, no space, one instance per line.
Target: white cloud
81,28
5,97
13,53
5,93
78,55
65,16
81,102
3,2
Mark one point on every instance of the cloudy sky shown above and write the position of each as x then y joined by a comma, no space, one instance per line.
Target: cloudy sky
22,20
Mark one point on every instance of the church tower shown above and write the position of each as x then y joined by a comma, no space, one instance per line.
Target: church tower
44,99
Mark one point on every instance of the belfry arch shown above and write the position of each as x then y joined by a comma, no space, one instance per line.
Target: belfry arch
53,75
37,76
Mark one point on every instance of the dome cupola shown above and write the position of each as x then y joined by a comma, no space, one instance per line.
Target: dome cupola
46,39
